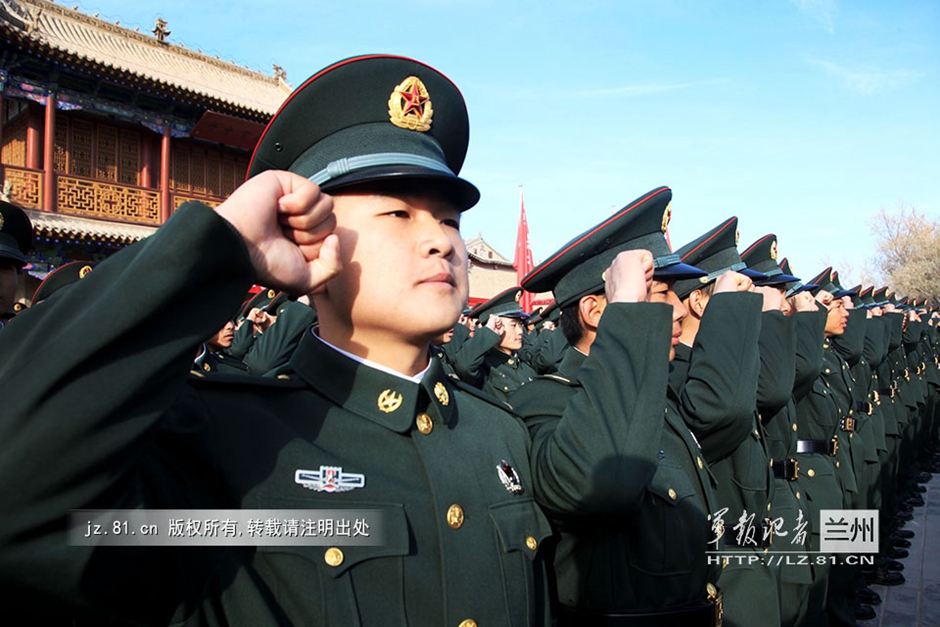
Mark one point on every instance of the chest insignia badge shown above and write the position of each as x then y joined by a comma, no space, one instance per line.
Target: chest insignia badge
329,479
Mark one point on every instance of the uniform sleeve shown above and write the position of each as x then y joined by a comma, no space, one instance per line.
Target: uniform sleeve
810,333
244,338
469,362
595,447
274,348
777,345
88,383
719,397
550,352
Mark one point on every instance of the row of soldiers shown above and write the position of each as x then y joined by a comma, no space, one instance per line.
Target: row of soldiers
687,422
835,407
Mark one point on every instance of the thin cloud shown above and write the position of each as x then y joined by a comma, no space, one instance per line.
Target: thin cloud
650,89
820,11
866,80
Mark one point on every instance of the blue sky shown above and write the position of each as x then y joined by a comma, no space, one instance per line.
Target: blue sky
801,117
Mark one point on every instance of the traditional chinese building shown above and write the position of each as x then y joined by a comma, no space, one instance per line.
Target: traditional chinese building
105,130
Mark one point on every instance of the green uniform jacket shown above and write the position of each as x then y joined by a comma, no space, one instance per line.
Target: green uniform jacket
483,366
718,397
115,422
634,534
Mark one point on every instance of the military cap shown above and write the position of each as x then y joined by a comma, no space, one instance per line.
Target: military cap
880,296
61,277
855,293
578,268
16,233
261,300
505,305
794,287
762,256
19,307
371,118
866,295
715,252
828,280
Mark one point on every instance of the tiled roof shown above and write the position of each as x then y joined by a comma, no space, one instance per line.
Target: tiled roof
480,251
69,227
126,50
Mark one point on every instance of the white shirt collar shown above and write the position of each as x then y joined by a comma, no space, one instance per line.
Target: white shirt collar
371,364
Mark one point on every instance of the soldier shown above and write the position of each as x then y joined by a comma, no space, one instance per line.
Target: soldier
489,359
633,542
115,421
16,236
212,355
731,440
781,368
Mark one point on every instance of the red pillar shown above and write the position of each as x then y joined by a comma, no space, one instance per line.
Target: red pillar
146,161
165,176
48,183
33,135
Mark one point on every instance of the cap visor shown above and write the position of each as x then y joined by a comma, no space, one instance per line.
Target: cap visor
778,279
754,275
679,271
463,193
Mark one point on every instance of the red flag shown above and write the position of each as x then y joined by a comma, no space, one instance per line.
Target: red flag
522,262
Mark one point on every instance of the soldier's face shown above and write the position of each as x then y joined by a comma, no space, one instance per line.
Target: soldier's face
222,339
838,316
662,292
404,274
512,338
9,281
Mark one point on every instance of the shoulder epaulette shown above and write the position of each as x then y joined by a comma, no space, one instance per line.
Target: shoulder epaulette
204,379
480,394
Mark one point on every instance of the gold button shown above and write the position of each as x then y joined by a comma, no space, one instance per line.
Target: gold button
768,506
828,371
511,362
468,623
837,464
756,432
672,494
811,472
700,464
794,426
455,516
425,424
532,543
797,496
771,462
333,556
724,562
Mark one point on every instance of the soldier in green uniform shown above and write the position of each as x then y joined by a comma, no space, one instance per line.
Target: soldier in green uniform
633,543
116,421
782,367
212,355
731,441
16,236
489,359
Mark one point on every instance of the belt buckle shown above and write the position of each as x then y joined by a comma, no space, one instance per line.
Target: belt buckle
870,408
796,469
715,596
848,424
834,445
876,396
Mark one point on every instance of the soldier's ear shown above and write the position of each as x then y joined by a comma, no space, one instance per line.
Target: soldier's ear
696,303
590,309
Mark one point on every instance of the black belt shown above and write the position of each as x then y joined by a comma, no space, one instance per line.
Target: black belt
847,423
886,392
864,407
705,613
825,447
788,469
